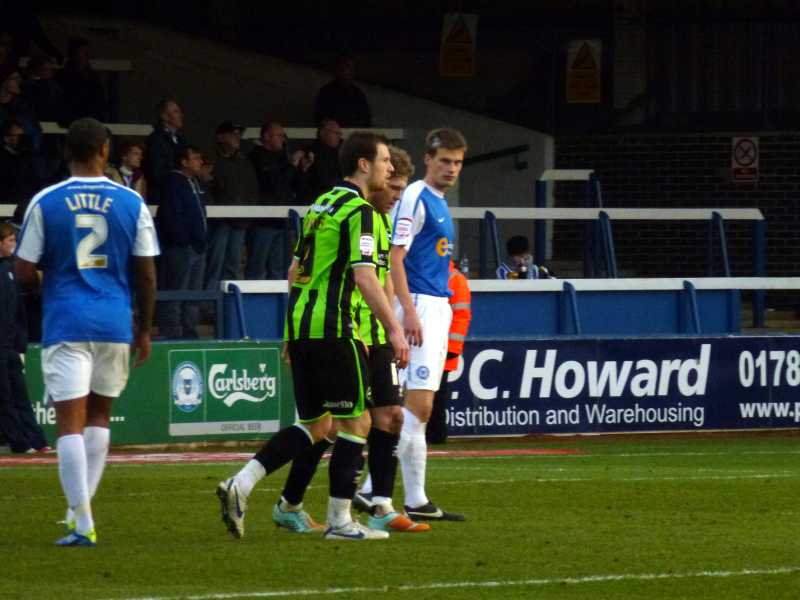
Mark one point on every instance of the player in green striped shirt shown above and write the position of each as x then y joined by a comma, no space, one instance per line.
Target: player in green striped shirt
332,271
387,415
385,411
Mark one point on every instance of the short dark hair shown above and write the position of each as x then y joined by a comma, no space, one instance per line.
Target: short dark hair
358,145
517,244
161,105
267,126
445,137
127,145
7,229
323,123
182,153
85,139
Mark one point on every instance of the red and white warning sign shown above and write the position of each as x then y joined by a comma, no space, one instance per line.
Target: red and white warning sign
744,159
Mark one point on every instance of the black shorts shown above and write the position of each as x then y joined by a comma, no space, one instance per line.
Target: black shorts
330,376
383,376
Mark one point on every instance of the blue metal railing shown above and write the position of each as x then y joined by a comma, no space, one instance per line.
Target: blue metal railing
609,256
489,237
693,309
716,229
569,310
237,292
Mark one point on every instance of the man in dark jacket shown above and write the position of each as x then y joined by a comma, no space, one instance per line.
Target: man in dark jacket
341,99
18,177
324,171
17,422
234,183
84,93
160,146
181,226
279,179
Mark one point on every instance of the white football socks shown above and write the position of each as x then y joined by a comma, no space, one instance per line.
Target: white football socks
96,440
366,487
412,451
249,476
338,512
72,471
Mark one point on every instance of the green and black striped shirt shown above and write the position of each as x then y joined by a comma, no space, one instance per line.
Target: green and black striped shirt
339,232
370,329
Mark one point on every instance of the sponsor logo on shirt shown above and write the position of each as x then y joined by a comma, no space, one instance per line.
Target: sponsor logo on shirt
403,230
367,245
444,247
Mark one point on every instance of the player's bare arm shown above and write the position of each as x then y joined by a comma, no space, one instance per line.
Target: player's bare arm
375,297
411,323
146,298
389,289
291,276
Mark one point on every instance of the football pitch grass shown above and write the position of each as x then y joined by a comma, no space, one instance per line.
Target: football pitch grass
622,517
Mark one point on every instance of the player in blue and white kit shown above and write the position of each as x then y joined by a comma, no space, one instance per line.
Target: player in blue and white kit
91,238
422,245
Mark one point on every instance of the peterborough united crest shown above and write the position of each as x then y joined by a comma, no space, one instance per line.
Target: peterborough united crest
187,387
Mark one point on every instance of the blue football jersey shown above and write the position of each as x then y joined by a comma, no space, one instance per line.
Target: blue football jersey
83,234
421,222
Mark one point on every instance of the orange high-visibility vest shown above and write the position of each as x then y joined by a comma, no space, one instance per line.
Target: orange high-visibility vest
462,315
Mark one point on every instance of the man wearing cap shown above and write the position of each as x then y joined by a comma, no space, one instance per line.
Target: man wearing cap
234,183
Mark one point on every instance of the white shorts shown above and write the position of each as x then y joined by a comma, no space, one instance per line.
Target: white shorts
426,362
73,369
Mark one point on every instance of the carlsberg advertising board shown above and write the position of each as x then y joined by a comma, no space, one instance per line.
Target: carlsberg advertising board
217,392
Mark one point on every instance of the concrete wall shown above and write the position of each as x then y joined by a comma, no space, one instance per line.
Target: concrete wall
213,82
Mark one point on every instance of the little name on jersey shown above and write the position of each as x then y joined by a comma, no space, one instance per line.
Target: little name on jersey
90,201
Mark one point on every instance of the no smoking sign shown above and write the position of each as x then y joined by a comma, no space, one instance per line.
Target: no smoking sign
744,159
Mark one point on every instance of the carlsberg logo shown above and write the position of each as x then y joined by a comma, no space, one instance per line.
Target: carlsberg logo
240,384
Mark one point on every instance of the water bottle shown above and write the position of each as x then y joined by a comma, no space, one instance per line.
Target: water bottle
463,265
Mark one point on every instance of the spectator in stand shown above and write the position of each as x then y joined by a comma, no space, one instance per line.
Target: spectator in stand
13,105
436,431
519,263
83,89
234,183
279,179
42,91
17,422
181,227
341,99
160,146
18,177
129,172
45,96
324,171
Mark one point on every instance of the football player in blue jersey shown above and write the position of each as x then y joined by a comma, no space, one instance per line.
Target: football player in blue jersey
93,239
422,245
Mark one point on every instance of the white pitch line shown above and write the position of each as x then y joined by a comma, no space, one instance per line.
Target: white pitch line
269,489
449,585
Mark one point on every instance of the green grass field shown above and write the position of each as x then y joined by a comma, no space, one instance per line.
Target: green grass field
662,517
